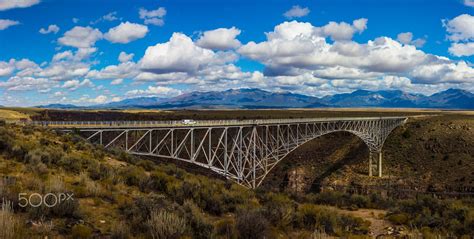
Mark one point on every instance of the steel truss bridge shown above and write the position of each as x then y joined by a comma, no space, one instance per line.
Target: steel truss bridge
241,150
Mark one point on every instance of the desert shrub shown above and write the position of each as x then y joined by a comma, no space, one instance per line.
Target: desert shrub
138,211
341,199
100,172
92,188
439,215
313,217
81,231
398,218
225,228
159,181
278,209
251,223
146,164
8,221
199,224
134,176
120,231
71,162
165,225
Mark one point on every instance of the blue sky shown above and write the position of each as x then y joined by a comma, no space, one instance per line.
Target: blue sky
316,47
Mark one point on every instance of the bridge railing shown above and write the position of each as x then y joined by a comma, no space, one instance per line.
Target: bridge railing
175,123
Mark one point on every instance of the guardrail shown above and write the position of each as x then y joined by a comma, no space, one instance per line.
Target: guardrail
176,123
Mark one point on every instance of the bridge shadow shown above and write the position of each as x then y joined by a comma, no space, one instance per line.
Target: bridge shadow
354,155
317,161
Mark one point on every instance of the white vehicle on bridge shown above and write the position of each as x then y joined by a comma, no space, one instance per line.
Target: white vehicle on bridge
188,122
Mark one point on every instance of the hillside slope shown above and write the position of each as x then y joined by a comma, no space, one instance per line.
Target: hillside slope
427,154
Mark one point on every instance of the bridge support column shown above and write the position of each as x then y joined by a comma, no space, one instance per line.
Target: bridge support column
375,163
379,163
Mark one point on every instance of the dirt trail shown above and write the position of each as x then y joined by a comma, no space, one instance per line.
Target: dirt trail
374,216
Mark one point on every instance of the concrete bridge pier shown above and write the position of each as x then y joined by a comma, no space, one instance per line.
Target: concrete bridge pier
375,163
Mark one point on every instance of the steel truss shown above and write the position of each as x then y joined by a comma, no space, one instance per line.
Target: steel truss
242,153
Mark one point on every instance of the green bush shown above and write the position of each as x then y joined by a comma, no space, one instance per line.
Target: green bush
313,217
199,224
80,231
251,223
225,228
166,225
279,209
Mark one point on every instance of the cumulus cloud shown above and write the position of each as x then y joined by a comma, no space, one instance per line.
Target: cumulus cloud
81,37
111,16
407,38
469,3
295,48
99,99
179,54
7,68
10,4
343,31
296,11
461,33
123,70
158,91
116,82
17,83
51,29
6,23
126,32
124,57
73,85
460,28
220,39
462,49
153,17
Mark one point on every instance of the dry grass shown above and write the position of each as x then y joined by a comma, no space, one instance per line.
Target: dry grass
12,115
8,221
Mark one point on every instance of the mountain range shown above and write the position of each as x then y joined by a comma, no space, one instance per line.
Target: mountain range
258,99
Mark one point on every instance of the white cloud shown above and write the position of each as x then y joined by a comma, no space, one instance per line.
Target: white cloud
73,85
112,16
160,12
342,31
220,39
6,23
443,72
154,21
7,68
295,48
153,17
469,3
75,20
99,99
17,83
462,49
80,37
296,11
51,29
116,82
461,33
10,4
126,32
158,91
123,70
124,57
460,28
407,38
179,54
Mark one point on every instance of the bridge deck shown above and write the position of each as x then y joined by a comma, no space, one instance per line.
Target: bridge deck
197,123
